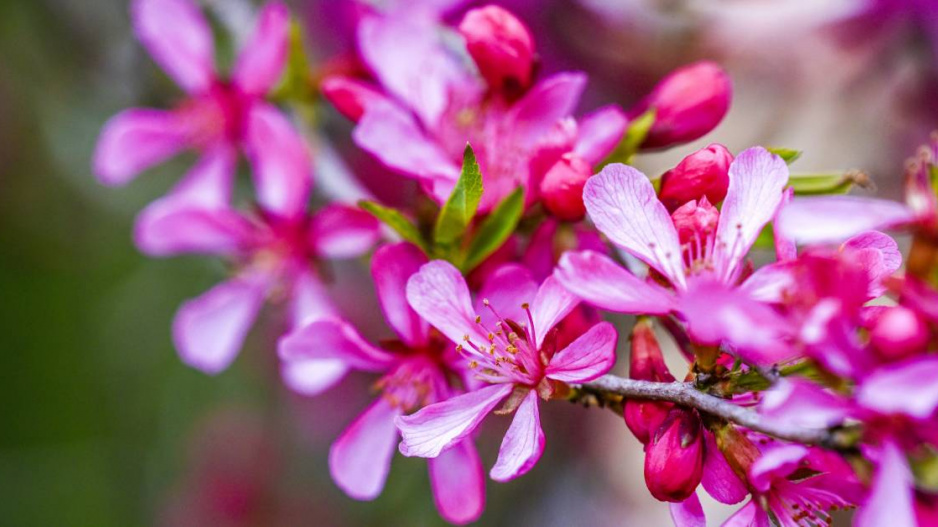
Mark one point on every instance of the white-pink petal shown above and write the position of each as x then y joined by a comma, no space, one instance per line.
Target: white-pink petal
439,294
598,133
179,39
552,303
906,388
458,483
599,281
332,339
523,443
281,162
312,377
590,356
836,218
341,231
543,105
360,458
310,299
260,64
135,140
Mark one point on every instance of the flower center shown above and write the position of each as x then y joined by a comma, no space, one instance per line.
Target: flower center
510,353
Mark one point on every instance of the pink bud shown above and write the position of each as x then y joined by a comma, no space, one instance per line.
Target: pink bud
562,187
501,46
705,173
350,97
688,103
695,221
674,457
898,332
644,417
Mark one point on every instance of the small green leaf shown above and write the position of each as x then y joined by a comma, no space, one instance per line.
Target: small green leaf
462,204
396,220
788,155
495,229
295,85
830,183
766,238
634,137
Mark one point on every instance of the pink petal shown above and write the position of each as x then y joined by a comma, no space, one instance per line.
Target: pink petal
785,248
458,483
439,294
879,255
757,181
590,356
552,303
599,281
164,229
599,133
209,330
523,443
179,39
623,205
891,499
544,104
210,181
719,479
341,231
506,289
313,376
803,404
776,463
351,97
751,515
332,339
360,458
906,388
282,168
688,513
135,140
439,426
835,218
769,283
310,300
261,62
391,267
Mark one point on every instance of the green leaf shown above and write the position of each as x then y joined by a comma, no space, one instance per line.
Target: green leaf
495,229
634,137
830,183
766,238
296,85
396,220
788,155
462,204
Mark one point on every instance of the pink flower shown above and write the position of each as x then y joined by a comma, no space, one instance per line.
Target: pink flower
704,268
217,113
417,369
510,344
272,250
704,173
501,46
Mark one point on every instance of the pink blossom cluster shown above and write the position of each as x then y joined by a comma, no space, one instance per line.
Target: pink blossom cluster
813,378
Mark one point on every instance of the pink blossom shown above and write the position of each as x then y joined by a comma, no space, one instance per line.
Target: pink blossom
511,347
218,113
704,173
501,46
417,367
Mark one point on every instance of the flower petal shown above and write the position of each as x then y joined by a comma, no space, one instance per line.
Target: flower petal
506,289
360,458
135,140
179,39
552,303
751,515
776,463
757,181
719,479
439,426
906,388
599,281
164,229
835,218
391,266
769,283
879,255
803,404
312,377
261,62
310,300
209,330
458,483
622,203
599,133
523,443
891,500
282,167
332,339
439,294
688,513
591,355
340,231
543,105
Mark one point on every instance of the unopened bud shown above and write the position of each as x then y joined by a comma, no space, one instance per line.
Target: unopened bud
695,221
644,418
705,173
898,333
501,46
562,187
674,457
688,103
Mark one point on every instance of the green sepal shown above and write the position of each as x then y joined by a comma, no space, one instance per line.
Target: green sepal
396,220
830,183
463,202
634,136
789,155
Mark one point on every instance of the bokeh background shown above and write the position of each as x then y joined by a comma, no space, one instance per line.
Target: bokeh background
100,423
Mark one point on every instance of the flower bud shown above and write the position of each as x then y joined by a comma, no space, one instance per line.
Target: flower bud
674,457
695,221
350,97
501,46
688,103
644,418
562,187
898,332
705,173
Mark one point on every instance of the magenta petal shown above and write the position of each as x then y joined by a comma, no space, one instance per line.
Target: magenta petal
281,162
802,404
719,479
836,218
599,133
776,463
506,290
757,181
891,500
544,104
135,140
458,483
523,443
439,426
623,204
341,231
163,229
552,303
261,62
591,355
599,281
751,515
769,283
391,267
180,40
210,181
688,513
311,377
879,255
332,339
439,294
360,458
310,300
209,330
906,388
